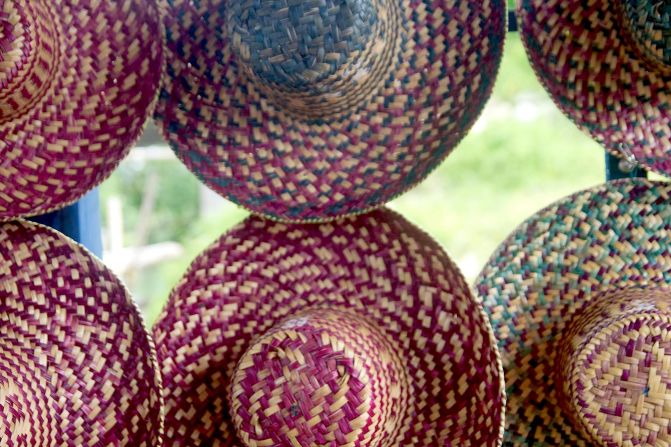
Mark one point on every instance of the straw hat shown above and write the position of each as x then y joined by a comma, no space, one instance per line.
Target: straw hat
78,80
77,366
312,109
579,297
607,65
360,332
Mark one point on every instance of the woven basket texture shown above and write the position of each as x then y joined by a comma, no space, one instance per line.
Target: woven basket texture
578,298
78,80
77,366
352,333
607,66
309,110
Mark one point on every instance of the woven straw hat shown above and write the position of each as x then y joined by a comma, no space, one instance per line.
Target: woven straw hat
579,297
360,332
307,110
78,80
607,65
77,366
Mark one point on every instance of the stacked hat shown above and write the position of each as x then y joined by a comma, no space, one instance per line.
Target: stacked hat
309,110
607,65
580,299
78,368
78,80
360,332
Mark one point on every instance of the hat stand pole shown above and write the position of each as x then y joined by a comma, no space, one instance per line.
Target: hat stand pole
614,169
79,221
614,166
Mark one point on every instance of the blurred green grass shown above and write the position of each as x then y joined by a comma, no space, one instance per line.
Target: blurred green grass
516,76
521,156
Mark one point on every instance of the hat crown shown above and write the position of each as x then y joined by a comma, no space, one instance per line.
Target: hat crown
649,25
28,54
298,44
323,377
615,357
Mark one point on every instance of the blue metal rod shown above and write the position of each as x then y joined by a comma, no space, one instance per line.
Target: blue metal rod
79,221
512,21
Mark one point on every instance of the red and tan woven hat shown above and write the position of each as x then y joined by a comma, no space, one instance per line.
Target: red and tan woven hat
307,110
77,366
78,80
357,333
580,299
607,65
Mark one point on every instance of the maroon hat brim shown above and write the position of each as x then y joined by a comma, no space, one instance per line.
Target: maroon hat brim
433,74
103,87
78,367
599,79
379,265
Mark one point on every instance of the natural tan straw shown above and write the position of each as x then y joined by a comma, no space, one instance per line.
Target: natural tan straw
78,80
309,110
361,332
77,366
580,300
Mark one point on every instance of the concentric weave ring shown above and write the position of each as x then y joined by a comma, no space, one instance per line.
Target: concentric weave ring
648,23
78,80
77,366
594,245
321,376
359,108
258,339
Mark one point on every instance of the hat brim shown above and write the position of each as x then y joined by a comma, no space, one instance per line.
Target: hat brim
78,365
103,90
377,264
258,154
616,235
598,78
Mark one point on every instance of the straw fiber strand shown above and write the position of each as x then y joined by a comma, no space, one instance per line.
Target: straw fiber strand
565,258
263,284
77,366
603,62
334,108
78,80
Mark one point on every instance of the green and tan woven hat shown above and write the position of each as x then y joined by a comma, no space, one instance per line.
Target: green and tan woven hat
579,297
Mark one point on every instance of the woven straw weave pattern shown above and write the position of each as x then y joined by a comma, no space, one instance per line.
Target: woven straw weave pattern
614,356
378,265
78,80
582,52
27,53
77,365
649,22
375,127
320,377
614,236
296,45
